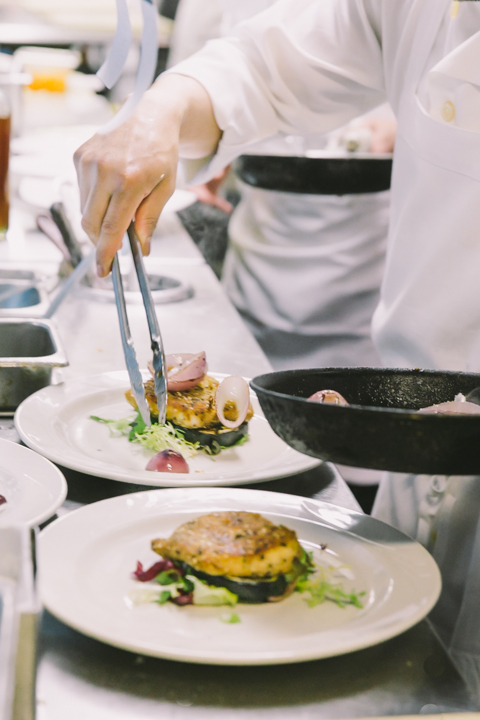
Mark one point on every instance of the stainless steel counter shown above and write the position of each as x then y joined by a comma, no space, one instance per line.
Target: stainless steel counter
81,678
86,679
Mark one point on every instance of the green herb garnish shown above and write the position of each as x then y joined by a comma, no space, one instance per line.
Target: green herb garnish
164,597
230,618
156,438
322,588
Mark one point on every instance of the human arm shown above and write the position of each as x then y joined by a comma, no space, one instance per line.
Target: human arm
130,173
299,67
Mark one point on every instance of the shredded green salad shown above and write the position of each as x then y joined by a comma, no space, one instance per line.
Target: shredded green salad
158,437
319,582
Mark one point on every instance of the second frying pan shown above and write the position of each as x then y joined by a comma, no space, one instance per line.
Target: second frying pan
327,175
381,429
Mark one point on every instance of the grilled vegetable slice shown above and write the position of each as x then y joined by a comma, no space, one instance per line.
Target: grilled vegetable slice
215,439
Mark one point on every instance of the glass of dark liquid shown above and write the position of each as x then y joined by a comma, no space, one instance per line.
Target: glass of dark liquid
4,158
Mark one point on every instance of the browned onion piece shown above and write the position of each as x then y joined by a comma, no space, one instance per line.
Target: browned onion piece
328,397
168,461
184,371
452,407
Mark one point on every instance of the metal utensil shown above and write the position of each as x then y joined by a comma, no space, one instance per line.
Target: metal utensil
68,285
46,224
133,369
136,380
159,364
381,429
62,222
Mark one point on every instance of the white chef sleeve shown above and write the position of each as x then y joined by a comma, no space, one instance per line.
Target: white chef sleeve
301,66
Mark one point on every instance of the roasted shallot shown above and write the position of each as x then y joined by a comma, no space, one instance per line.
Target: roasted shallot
328,397
232,401
168,461
458,406
184,371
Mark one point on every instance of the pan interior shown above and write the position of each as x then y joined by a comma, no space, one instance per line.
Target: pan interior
401,389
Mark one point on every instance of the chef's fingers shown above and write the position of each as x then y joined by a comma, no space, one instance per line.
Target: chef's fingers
205,195
118,216
82,173
384,133
94,210
148,212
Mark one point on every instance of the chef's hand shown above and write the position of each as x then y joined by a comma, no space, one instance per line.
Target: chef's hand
208,192
384,131
130,172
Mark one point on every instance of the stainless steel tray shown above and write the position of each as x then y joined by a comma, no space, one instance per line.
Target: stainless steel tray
29,350
22,293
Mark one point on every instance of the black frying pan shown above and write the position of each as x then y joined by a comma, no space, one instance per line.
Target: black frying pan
316,176
382,430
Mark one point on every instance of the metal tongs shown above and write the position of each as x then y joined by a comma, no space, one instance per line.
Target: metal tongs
159,365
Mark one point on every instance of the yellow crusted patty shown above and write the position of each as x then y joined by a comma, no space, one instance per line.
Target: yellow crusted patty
194,408
235,544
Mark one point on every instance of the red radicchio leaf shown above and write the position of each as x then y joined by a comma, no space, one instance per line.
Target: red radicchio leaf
152,572
186,599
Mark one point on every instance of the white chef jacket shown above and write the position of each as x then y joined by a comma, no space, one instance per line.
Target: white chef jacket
305,66
303,270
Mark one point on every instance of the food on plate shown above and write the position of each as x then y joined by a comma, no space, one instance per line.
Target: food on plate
236,556
3,500
458,406
328,397
168,461
203,414
205,411
232,402
242,551
184,371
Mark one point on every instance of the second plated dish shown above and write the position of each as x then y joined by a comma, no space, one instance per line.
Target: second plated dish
96,549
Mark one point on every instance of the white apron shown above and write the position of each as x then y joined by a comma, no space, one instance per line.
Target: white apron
441,512
305,271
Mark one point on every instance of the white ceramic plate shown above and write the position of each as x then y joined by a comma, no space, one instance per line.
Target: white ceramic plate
87,559
56,422
32,486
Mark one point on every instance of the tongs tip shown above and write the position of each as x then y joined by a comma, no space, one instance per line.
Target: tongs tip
159,364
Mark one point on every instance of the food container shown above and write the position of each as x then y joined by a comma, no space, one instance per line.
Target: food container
19,618
22,294
29,350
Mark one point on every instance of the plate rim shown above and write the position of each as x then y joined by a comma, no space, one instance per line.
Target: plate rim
159,479
262,657
54,472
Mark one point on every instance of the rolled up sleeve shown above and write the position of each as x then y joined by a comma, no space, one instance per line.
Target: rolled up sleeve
299,67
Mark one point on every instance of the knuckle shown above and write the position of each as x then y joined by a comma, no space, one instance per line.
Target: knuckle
129,177
110,226
89,228
150,223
